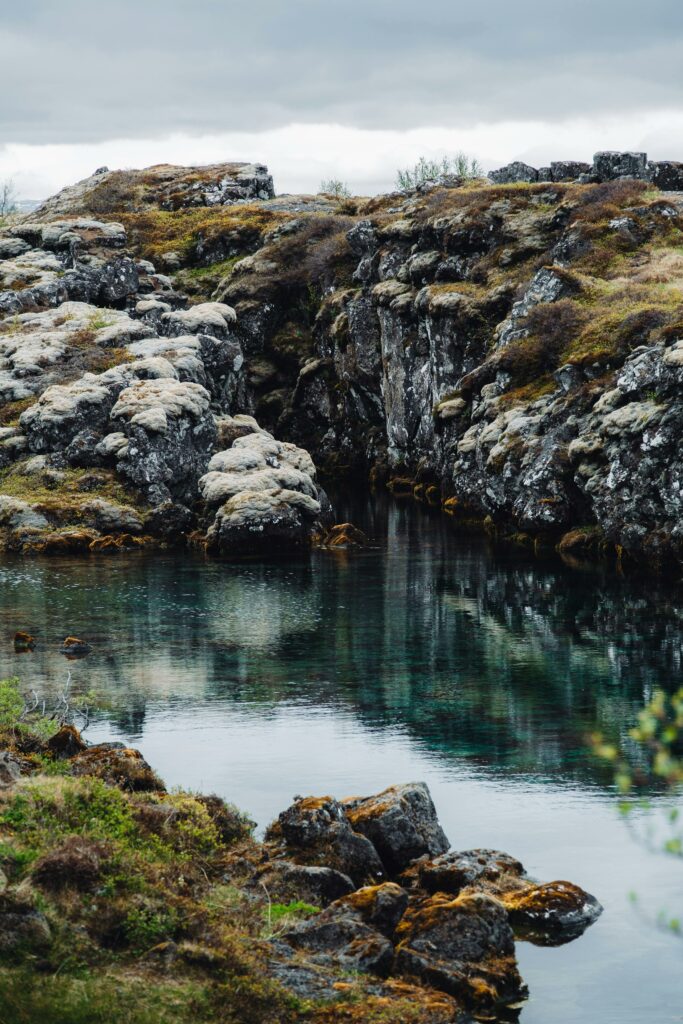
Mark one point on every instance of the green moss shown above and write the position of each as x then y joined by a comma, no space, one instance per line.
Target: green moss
66,499
11,411
242,226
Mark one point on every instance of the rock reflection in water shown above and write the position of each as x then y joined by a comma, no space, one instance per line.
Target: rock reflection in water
506,662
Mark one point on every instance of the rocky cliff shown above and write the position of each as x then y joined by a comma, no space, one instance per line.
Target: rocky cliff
513,352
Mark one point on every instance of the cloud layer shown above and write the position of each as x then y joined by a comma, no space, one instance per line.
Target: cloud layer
77,71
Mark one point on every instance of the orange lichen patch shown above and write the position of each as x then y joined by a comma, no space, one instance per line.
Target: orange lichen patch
452,506
585,540
433,494
61,542
541,901
401,1003
369,809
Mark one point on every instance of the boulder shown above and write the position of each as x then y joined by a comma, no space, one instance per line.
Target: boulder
265,496
205,318
552,913
667,175
316,830
514,172
170,432
610,165
401,822
568,170
315,884
340,937
454,871
118,765
463,946
381,906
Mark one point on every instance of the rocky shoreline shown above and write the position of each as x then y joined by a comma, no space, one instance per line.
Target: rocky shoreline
353,909
509,352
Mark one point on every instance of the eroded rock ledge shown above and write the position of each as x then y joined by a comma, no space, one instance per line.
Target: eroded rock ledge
511,352
391,917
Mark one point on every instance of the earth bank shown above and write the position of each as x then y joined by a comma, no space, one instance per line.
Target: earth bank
114,892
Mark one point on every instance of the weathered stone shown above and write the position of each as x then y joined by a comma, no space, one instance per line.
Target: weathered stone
568,170
401,822
315,884
339,936
609,165
464,946
316,830
118,765
454,871
552,913
514,172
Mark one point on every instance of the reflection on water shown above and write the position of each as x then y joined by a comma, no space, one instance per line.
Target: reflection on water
427,656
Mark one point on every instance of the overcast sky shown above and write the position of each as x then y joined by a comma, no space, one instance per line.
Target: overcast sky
320,88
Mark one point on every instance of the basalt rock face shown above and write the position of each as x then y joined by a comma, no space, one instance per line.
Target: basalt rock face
512,348
511,351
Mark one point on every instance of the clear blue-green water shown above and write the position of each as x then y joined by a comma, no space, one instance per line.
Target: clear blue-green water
427,656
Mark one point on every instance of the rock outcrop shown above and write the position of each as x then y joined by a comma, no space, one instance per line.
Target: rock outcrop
446,919
116,395
510,351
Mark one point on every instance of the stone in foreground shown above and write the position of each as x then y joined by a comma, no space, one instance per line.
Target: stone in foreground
401,822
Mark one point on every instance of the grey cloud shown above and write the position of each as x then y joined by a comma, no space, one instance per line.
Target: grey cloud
78,70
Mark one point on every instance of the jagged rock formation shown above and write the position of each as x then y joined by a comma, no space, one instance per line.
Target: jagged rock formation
666,175
511,351
113,411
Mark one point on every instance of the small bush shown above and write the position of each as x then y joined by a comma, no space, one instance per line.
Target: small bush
335,188
459,166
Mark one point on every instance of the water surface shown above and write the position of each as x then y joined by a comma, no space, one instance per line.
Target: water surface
429,656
